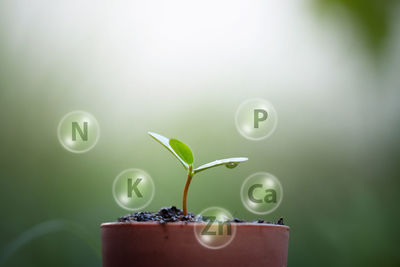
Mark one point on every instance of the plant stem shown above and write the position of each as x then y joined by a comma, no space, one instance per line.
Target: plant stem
185,191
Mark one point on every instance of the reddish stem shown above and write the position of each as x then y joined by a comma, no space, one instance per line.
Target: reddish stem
185,191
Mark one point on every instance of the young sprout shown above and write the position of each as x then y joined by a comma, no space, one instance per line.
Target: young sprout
183,153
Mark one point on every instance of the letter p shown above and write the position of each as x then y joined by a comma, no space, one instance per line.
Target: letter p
259,115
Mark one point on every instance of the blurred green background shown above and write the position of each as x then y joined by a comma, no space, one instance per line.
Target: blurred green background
181,68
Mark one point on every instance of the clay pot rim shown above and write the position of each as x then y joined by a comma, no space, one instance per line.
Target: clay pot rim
175,224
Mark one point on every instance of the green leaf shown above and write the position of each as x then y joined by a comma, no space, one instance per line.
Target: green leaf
182,150
229,163
166,143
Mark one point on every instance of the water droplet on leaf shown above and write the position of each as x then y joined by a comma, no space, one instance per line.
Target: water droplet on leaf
231,165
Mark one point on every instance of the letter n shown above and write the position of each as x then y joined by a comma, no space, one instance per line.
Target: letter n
83,134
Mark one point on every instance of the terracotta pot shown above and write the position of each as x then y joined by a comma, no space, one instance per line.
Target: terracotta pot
175,244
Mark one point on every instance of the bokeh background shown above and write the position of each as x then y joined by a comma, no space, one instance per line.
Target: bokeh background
181,68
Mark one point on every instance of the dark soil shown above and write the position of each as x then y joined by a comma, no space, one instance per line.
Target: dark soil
173,214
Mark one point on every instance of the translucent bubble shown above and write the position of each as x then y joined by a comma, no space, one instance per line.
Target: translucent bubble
78,131
261,193
217,231
256,119
133,189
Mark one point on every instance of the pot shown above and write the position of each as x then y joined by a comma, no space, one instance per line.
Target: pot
175,244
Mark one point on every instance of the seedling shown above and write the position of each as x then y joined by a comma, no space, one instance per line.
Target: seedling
183,153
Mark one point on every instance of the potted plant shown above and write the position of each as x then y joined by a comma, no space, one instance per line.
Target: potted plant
167,237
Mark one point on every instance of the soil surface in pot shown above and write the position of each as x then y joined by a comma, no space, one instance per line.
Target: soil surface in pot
173,214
